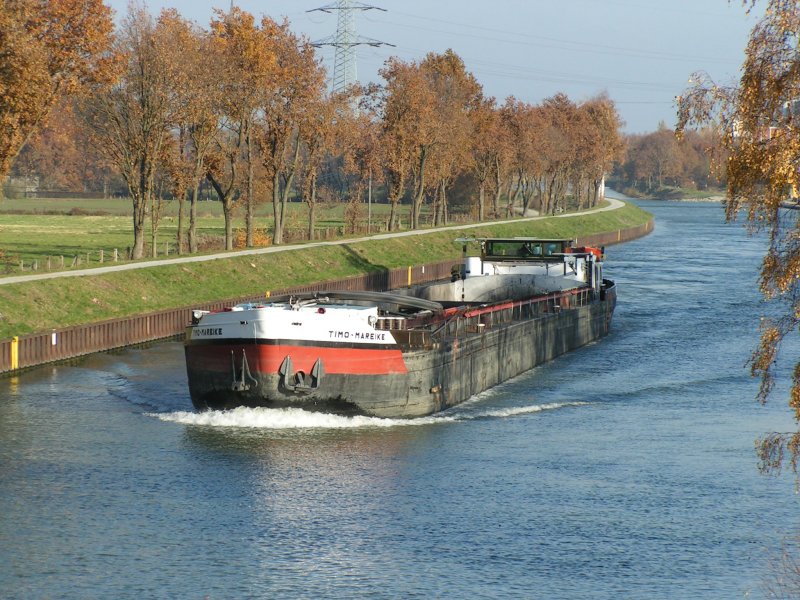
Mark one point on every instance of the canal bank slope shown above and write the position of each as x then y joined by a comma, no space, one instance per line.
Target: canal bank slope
57,317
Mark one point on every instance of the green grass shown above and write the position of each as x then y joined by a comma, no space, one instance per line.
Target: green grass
55,303
38,229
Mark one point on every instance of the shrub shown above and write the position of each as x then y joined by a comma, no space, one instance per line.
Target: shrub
260,238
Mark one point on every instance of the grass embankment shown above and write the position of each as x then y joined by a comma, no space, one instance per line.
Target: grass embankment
61,302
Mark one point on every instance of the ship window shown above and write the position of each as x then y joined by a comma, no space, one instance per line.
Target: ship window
510,249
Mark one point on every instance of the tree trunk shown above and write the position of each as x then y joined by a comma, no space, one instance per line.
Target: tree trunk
153,228
498,188
193,218
226,196
280,196
277,213
419,196
396,181
596,198
250,200
141,198
512,202
179,236
227,212
138,229
393,214
481,199
437,199
443,202
312,209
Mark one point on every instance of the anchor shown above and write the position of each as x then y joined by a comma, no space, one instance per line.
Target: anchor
240,384
300,382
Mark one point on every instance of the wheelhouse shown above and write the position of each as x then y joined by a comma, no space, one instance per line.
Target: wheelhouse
510,249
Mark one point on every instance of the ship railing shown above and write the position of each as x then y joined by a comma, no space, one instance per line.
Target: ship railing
456,322
465,321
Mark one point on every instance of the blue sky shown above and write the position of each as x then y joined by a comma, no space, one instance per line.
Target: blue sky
641,52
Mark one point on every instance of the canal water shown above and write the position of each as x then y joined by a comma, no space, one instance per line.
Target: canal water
623,470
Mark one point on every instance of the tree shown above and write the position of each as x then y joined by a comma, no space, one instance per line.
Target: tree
193,80
332,124
527,127
131,121
288,95
56,153
658,158
425,109
404,105
608,143
247,66
758,127
489,148
559,148
47,50
505,157
457,94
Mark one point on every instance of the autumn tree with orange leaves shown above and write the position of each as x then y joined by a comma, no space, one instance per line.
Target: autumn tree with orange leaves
247,65
457,94
757,122
330,125
61,155
242,105
397,104
47,50
425,110
193,88
490,150
286,104
132,120
607,143
527,128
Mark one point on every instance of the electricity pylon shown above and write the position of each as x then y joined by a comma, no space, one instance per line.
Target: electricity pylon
345,41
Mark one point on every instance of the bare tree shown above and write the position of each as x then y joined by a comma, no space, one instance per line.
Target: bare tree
132,120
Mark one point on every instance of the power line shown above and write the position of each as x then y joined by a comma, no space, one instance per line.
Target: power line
533,40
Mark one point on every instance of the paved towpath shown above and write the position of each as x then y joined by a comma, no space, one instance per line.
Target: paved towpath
612,205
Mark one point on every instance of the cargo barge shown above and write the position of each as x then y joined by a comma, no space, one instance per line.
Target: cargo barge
408,353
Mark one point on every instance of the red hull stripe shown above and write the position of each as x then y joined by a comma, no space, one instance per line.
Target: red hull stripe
267,359
281,342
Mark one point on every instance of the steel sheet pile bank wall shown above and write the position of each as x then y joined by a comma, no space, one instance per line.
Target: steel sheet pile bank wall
60,344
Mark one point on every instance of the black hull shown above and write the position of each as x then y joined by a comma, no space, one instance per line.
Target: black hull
440,375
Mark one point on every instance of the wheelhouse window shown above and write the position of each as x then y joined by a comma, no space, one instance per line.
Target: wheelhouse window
525,249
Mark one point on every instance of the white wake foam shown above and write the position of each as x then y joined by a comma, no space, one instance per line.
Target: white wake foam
281,418
501,413
295,418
